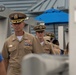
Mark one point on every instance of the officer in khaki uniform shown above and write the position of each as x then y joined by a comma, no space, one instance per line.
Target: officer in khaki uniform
40,43
49,37
17,45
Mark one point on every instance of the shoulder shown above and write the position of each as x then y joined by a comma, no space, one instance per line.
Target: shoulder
29,35
9,38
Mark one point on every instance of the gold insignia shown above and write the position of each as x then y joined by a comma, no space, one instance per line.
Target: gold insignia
42,23
15,16
40,27
10,45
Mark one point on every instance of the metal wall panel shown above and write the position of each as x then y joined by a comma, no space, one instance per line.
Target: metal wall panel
19,5
47,4
25,5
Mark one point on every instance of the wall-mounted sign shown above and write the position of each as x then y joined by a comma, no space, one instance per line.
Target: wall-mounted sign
2,8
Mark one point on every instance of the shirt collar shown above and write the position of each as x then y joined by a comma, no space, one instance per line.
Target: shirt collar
25,36
15,37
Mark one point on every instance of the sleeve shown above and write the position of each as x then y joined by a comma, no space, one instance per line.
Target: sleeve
5,53
1,58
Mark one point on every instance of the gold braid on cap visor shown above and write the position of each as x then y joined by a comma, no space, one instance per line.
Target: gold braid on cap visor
17,21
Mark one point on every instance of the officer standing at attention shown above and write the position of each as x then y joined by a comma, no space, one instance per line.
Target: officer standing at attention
17,45
2,67
40,42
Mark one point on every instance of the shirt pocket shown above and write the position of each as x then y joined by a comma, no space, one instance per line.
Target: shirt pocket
12,51
28,49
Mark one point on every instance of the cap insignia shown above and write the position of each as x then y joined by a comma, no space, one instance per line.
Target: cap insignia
15,16
40,27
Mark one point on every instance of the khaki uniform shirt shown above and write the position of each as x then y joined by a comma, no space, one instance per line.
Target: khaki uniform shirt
15,50
46,48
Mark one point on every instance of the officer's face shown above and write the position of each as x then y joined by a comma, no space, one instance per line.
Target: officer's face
40,34
18,26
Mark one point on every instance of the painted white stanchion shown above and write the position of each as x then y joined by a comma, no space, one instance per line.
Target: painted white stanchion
72,37
61,37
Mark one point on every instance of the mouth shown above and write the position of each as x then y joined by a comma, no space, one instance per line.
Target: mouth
17,28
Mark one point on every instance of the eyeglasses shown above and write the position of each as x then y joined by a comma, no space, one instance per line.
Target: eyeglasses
40,31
